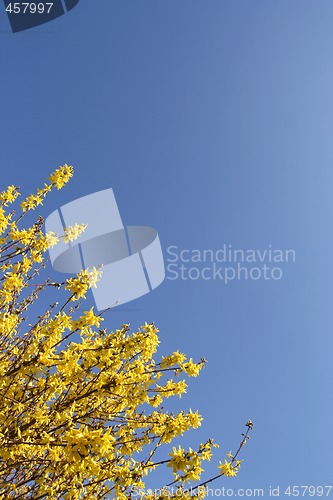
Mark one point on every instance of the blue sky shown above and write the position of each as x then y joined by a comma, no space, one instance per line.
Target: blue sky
212,121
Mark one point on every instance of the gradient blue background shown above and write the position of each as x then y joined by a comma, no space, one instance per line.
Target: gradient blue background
212,121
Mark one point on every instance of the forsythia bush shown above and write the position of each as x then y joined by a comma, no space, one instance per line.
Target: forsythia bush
80,412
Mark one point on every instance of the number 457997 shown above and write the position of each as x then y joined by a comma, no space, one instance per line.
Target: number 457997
29,8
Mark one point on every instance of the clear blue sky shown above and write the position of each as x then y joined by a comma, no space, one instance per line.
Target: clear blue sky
212,121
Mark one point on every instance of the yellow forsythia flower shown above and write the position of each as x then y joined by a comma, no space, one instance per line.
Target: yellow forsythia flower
73,232
61,176
228,469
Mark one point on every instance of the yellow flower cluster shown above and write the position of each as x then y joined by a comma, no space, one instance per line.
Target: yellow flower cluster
4,220
61,176
9,195
57,179
84,280
77,411
189,462
228,469
73,232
